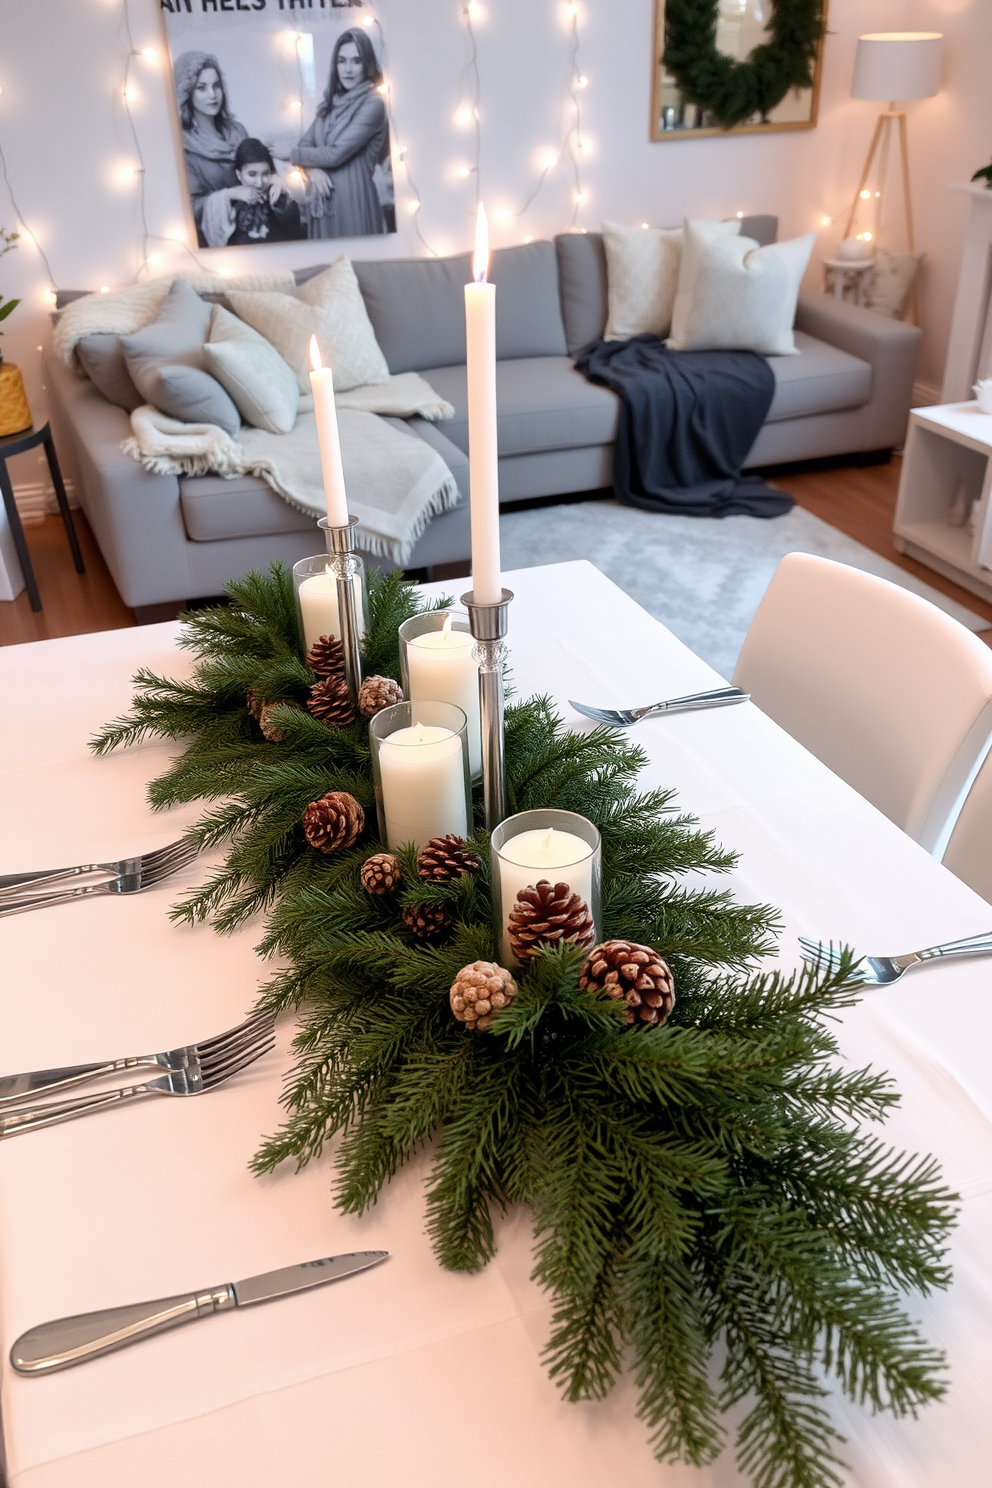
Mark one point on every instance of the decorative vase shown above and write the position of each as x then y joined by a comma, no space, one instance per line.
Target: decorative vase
15,410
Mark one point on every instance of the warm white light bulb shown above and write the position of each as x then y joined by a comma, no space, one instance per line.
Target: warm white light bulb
150,54
464,117
383,88
461,172
865,195
825,221
104,289
413,205
582,81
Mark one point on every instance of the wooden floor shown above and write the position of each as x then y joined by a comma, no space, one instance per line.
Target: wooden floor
859,500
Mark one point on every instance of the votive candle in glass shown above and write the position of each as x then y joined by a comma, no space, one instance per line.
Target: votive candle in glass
559,846
421,774
317,598
437,665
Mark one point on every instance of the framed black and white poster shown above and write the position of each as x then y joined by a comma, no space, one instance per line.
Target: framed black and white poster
283,118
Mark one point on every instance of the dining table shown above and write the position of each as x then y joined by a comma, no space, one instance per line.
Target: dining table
408,1374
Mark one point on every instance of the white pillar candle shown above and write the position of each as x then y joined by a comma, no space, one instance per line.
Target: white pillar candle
329,439
480,345
318,596
423,784
560,857
443,670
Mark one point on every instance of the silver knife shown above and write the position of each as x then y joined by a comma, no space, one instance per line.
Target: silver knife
73,1340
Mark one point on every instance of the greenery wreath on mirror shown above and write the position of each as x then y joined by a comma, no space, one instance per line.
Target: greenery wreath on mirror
734,91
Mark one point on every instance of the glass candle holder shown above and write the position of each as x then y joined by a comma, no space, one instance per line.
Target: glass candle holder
316,587
437,663
421,772
559,846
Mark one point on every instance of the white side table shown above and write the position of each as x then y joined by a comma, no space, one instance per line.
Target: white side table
847,273
947,474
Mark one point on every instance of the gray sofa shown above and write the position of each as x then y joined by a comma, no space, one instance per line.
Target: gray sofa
168,539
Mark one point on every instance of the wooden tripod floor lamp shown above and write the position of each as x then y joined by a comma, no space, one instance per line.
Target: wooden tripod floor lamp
892,65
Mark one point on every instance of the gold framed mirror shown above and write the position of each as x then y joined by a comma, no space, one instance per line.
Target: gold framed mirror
741,27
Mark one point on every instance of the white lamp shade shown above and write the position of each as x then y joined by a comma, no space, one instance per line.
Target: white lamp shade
897,65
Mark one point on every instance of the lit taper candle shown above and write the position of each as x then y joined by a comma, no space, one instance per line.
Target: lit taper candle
480,339
328,437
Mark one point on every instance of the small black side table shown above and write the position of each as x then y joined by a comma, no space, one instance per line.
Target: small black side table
16,444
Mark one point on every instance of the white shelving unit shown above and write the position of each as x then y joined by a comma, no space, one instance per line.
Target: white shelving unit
948,452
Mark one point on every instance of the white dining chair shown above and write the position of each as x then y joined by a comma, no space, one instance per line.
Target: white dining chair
969,852
887,690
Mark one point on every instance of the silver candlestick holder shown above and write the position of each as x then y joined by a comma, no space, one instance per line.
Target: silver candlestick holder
488,624
349,573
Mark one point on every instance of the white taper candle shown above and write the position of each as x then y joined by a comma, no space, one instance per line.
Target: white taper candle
328,437
480,343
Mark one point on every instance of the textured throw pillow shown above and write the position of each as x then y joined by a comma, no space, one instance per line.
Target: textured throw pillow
167,363
744,297
250,369
642,275
697,235
890,282
101,357
329,306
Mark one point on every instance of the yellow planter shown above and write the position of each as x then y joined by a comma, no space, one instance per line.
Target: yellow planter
15,410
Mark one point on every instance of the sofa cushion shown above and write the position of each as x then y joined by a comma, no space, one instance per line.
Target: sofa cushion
543,403
582,278
822,379
417,306
101,357
166,361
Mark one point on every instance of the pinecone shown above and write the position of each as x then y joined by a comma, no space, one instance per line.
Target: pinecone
429,922
548,914
634,973
377,693
255,704
381,874
274,734
479,991
331,702
444,859
326,657
333,822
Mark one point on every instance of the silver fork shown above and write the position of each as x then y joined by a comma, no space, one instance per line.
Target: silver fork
40,1083
718,697
880,971
12,903
170,858
196,1078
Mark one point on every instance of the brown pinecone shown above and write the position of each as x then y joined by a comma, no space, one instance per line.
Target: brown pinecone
429,922
444,858
479,991
255,704
635,974
326,657
269,729
333,822
548,914
381,874
331,702
377,693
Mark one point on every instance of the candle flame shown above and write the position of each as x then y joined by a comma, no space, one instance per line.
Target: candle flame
421,733
316,360
446,627
480,259
548,836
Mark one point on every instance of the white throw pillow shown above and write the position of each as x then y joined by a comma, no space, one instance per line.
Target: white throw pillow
744,298
330,307
697,235
261,384
642,275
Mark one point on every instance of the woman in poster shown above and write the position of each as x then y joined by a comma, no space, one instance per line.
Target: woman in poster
210,138
345,143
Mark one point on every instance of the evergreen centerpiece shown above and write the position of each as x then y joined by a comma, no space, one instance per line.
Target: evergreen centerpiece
703,1175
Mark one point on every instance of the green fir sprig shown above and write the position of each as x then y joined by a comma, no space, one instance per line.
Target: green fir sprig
712,1203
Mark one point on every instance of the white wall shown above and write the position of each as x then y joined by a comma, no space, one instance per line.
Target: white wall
64,133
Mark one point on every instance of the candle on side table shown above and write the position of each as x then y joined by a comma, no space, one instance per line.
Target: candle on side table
420,757
480,348
438,665
559,846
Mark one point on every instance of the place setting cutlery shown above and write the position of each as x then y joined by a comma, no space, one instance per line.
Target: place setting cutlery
192,1069
66,1341
36,890
882,971
718,697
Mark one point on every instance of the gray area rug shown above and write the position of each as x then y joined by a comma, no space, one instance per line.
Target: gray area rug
702,578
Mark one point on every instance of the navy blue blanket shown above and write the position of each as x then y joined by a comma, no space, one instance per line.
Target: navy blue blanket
687,422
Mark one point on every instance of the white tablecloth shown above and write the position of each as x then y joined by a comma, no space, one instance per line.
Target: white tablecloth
408,1374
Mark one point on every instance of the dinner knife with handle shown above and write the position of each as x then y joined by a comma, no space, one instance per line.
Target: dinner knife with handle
73,1340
